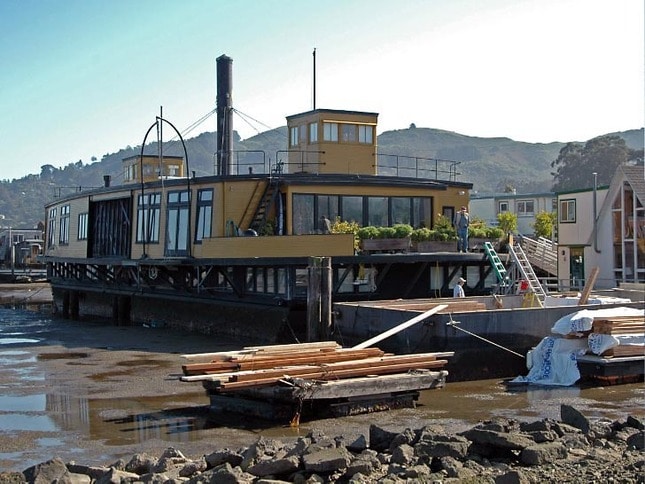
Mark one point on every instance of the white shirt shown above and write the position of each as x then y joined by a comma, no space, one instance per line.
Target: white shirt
458,291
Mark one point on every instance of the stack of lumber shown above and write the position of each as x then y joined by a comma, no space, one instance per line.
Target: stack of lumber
621,326
262,366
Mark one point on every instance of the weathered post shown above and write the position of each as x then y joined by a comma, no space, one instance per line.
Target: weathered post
313,298
319,299
325,298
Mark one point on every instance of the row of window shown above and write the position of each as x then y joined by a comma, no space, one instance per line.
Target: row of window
148,221
526,208
332,132
177,219
309,210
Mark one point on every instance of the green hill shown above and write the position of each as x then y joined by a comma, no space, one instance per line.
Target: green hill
489,163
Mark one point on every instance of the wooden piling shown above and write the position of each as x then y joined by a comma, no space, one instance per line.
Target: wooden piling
319,298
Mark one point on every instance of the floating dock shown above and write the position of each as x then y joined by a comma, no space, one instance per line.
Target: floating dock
323,379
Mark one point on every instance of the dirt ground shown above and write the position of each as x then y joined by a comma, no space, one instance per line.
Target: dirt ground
113,391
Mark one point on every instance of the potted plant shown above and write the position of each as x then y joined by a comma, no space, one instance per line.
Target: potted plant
480,233
385,239
441,238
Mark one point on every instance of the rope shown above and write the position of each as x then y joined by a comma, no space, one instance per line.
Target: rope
454,325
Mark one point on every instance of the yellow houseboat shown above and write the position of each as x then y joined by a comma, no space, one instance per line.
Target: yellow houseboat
214,252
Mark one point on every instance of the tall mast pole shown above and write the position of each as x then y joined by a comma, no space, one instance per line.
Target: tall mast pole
314,54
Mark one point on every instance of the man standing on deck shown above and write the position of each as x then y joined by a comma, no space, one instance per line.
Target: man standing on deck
458,290
462,221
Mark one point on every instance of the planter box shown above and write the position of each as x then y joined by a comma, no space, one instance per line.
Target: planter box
386,245
437,246
476,244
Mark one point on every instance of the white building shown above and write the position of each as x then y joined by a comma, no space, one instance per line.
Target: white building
525,206
615,243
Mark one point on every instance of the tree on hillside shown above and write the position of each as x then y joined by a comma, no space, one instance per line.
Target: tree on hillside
576,163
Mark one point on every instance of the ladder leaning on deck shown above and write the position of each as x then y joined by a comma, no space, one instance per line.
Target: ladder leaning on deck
496,263
519,270
524,270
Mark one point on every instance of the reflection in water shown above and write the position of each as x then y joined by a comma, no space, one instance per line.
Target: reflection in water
169,418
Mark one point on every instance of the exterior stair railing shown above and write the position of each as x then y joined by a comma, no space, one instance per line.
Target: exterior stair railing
519,277
541,253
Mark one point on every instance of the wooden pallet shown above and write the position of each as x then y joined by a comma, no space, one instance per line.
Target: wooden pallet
323,374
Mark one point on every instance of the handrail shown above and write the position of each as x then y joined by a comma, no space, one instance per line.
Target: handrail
421,165
542,253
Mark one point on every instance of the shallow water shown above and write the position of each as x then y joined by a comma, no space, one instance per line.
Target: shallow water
55,417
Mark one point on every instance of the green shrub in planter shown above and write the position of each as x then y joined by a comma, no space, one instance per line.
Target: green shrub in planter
494,233
421,235
387,233
402,230
369,232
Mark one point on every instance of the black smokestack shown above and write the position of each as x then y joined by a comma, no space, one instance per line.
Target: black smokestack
224,115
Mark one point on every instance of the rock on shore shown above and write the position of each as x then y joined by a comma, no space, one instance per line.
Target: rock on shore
503,451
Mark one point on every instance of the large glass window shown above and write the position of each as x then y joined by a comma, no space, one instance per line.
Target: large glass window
401,210
351,209
304,221
63,229
330,131
327,206
309,209
568,211
422,212
148,211
377,211
177,223
204,214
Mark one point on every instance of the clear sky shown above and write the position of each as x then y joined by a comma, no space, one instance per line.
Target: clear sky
83,78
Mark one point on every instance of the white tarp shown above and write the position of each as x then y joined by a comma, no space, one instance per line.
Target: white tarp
582,320
554,360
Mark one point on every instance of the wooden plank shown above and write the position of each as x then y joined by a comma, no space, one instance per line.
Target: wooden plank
584,297
625,350
253,374
400,327
250,350
336,374
367,363
289,360
349,387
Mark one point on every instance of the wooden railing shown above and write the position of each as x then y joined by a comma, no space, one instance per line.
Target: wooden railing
542,253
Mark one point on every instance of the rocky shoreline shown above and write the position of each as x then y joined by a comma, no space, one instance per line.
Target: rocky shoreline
573,449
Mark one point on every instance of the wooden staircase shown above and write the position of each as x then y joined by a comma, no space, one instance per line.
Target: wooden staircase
263,200
541,253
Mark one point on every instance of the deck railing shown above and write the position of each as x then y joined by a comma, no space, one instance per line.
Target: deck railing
542,253
417,167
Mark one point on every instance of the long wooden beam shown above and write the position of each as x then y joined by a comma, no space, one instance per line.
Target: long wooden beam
335,375
400,327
